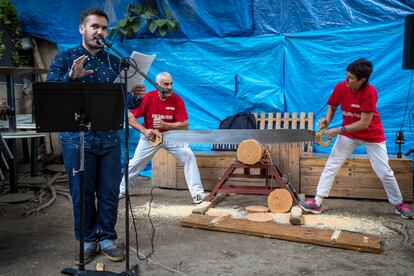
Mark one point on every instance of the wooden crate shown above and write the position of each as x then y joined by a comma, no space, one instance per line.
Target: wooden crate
167,172
356,178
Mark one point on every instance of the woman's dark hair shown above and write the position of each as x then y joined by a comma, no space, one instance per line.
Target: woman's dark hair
361,68
97,12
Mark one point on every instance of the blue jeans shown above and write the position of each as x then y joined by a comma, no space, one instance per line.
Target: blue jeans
102,178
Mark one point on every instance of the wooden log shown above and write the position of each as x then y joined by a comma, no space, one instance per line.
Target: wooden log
346,240
257,209
280,201
295,217
250,152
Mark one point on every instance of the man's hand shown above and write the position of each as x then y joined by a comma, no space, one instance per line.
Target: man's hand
138,90
77,71
158,124
149,133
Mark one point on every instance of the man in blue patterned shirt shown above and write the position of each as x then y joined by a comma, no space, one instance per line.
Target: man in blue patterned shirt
90,63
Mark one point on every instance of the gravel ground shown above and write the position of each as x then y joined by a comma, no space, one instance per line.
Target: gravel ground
44,244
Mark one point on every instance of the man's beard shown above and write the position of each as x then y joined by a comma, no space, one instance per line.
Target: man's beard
90,41
167,93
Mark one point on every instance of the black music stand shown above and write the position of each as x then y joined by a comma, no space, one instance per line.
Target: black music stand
79,107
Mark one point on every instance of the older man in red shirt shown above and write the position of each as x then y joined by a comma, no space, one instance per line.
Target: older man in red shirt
163,111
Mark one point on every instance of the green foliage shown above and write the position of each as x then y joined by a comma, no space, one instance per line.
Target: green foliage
136,15
11,22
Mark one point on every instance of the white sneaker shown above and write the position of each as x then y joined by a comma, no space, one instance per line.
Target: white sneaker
199,198
121,195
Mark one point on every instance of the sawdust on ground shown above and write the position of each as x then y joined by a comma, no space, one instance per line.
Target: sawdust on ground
334,222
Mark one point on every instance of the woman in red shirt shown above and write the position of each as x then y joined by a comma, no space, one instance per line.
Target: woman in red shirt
361,126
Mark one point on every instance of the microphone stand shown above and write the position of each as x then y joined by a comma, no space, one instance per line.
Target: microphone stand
125,64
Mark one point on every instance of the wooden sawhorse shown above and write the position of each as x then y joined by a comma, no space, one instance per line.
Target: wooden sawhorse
268,170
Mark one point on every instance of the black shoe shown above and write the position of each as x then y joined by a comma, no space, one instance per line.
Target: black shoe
88,254
111,251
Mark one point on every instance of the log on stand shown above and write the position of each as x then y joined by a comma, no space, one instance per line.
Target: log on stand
250,152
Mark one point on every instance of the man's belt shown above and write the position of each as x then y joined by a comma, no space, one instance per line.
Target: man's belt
233,136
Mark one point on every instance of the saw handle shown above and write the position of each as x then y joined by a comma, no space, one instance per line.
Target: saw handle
319,138
157,139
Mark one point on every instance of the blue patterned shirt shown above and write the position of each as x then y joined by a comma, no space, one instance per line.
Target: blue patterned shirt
106,68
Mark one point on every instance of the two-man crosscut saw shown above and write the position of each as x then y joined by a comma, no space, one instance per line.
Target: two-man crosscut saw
233,136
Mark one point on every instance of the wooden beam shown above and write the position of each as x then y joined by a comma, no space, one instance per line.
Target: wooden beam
346,240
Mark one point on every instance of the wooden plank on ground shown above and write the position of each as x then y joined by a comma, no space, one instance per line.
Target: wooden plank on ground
346,240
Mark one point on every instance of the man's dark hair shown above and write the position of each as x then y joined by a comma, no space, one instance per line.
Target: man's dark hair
96,12
361,68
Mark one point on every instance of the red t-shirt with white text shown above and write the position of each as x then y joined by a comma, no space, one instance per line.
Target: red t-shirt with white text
171,110
352,105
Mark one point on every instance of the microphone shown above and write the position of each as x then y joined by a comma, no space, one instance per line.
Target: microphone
101,41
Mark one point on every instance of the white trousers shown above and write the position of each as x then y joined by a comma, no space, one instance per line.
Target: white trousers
144,153
377,154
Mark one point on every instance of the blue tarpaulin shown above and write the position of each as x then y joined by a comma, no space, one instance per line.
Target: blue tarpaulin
260,56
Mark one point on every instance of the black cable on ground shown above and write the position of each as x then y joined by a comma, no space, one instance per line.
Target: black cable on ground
146,257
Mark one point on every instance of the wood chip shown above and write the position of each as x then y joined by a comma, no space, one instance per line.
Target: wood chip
335,236
259,217
257,209
100,267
